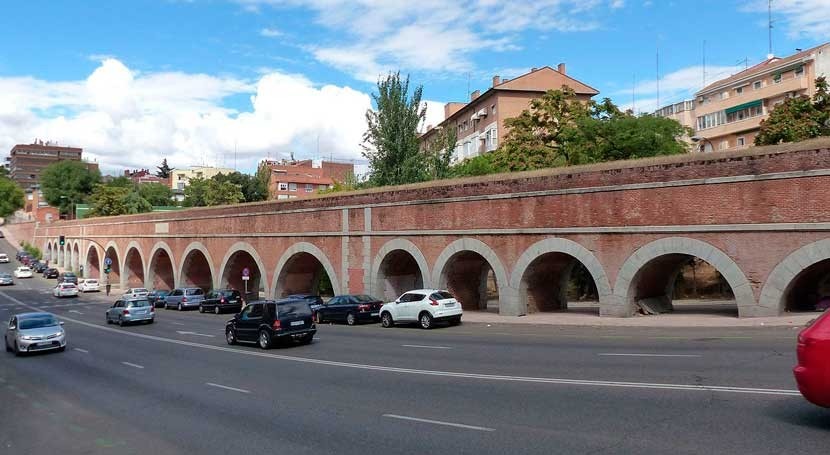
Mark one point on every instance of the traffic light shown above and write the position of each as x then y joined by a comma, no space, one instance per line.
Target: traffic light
107,270
62,240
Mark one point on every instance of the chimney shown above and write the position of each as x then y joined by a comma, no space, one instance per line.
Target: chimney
533,70
474,95
561,68
496,81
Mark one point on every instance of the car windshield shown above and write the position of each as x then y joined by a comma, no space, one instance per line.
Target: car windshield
364,298
229,293
5,275
441,295
24,269
69,274
142,290
294,309
138,304
36,322
91,281
194,291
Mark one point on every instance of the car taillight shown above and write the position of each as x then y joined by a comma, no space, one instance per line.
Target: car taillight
433,302
125,312
152,309
221,300
363,307
276,325
184,299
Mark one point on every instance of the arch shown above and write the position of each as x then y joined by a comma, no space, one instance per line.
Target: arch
161,272
93,262
204,266
624,292
231,269
507,305
297,248
111,252
377,277
61,256
47,251
779,283
518,283
133,267
55,262
75,261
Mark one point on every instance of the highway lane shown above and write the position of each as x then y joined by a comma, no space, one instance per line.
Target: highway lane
175,398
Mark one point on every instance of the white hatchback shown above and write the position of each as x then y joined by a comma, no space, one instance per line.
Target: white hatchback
89,285
65,290
4,258
23,272
425,306
135,292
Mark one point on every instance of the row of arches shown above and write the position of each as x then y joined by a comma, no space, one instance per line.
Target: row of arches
545,277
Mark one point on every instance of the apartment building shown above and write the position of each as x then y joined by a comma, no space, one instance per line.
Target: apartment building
300,179
479,123
683,112
180,178
141,176
26,161
729,111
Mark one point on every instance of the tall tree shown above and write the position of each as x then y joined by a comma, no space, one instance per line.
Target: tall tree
263,176
201,193
164,170
391,140
67,182
798,119
252,187
111,200
4,171
439,156
156,193
11,197
194,193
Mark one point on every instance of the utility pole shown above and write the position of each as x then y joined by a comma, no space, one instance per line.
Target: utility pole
769,18
704,63
658,75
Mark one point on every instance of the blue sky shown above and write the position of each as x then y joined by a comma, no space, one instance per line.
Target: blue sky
197,80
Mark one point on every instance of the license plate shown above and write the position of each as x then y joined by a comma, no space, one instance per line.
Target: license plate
375,314
450,304
296,323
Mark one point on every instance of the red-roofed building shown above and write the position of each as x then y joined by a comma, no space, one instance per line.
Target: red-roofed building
299,179
144,176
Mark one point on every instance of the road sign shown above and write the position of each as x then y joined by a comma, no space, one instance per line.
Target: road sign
246,272
246,278
107,261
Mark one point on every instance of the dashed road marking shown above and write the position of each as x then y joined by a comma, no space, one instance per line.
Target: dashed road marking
227,387
439,422
613,354
81,350
134,365
424,347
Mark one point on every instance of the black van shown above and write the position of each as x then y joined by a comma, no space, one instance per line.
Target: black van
266,321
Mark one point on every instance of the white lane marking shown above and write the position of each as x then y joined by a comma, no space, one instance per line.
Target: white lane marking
227,388
424,347
132,365
611,354
194,334
439,422
74,311
81,350
449,374
177,323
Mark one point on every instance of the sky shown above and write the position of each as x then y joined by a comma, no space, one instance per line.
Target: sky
230,82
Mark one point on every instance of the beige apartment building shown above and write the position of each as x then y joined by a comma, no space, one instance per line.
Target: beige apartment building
180,178
479,123
729,112
683,112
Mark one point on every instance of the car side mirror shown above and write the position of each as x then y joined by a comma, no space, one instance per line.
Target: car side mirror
12,327
398,301
61,322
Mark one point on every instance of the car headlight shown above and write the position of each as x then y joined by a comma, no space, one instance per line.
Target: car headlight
26,337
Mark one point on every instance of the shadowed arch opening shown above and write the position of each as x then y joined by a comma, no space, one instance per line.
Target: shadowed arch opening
303,273
801,282
133,269
809,290
471,279
92,269
76,257
196,271
397,273
47,252
114,277
232,275
160,274
61,256
556,281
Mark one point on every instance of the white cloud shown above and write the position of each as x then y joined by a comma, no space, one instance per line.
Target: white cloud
123,118
435,114
270,32
803,18
435,35
673,87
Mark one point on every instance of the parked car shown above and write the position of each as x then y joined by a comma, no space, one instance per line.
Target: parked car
30,332
89,285
314,301
156,297
132,309
50,273
350,309
26,260
4,258
266,321
222,301
19,255
37,266
184,298
6,279
65,290
68,277
813,370
135,292
23,272
425,306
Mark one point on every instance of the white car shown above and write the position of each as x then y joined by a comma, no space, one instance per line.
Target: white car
65,290
425,306
135,292
23,272
4,258
89,285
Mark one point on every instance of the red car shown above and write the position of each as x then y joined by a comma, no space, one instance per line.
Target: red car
813,370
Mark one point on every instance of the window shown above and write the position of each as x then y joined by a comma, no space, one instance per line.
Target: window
723,145
180,186
777,78
322,187
283,186
739,90
309,187
282,196
292,187
741,141
493,109
799,71
756,85
711,120
724,95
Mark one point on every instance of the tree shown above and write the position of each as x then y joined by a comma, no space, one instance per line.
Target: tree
202,193
439,156
156,193
194,193
798,119
4,171
252,187
391,140
263,176
67,182
164,170
11,197
108,200
121,182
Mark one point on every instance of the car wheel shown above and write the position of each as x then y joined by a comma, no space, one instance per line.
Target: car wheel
17,350
201,309
230,336
8,349
318,317
350,319
307,339
426,320
62,348
264,339
120,322
386,320
216,309
180,307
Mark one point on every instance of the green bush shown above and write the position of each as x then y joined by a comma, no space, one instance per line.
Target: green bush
32,250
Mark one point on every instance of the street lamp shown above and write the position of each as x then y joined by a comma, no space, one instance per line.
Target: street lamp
697,139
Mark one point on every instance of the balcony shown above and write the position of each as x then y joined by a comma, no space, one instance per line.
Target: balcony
732,128
770,91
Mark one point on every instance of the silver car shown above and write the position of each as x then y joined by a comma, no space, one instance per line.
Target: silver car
6,279
125,311
31,332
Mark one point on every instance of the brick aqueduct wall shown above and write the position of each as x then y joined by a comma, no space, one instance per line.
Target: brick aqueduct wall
759,216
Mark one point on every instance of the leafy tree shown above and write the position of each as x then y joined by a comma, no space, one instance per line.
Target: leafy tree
391,141
263,176
156,193
121,182
798,119
66,182
252,187
11,197
194,193
350,183
222,193
4,171
478,165
108,200
137,204
164,170
439,156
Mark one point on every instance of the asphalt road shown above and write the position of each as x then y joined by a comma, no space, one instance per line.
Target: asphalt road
175,387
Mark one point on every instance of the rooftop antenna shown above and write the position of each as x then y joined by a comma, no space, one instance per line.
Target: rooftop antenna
234,154
704,63
769,18
634,94
658,75
468,87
